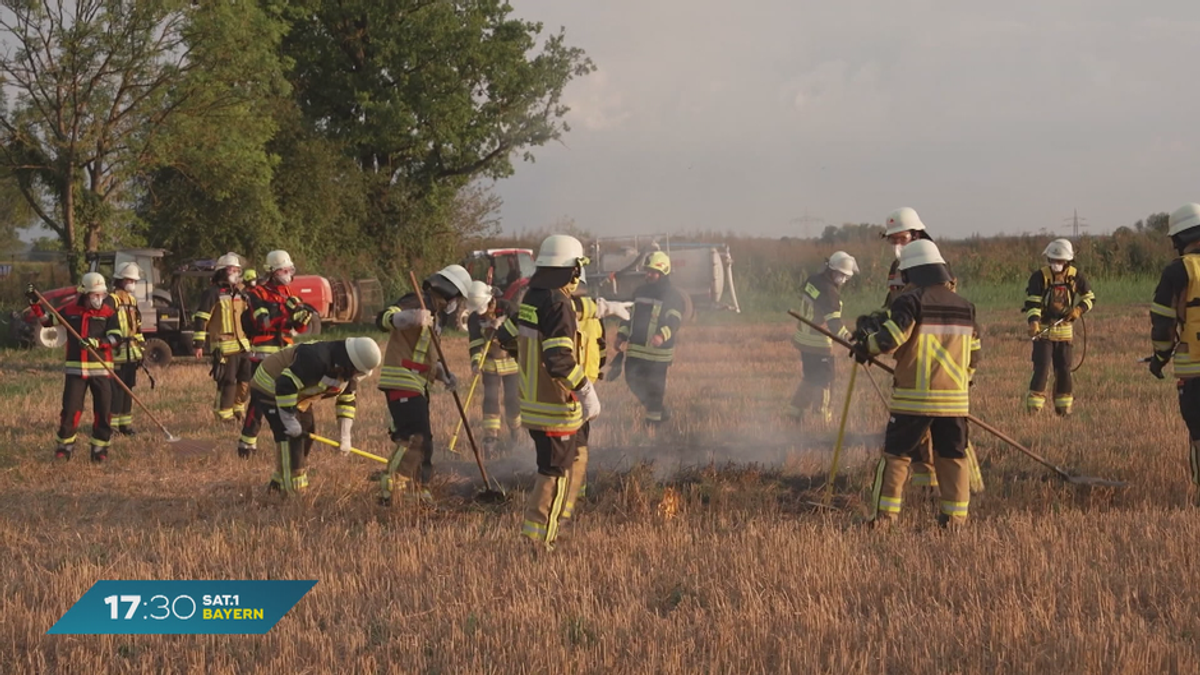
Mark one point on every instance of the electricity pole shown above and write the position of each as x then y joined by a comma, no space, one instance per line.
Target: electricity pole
806,222
1075,223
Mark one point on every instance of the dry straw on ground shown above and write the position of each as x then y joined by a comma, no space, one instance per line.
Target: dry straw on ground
683,566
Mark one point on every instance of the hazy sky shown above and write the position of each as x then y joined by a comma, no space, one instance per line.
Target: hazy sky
983,116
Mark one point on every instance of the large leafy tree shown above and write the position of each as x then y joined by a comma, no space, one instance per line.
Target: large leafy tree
424,96
107,93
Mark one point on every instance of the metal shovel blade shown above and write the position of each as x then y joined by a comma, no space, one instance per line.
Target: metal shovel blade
490,496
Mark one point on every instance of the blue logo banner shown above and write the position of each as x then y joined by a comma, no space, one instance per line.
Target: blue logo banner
151,607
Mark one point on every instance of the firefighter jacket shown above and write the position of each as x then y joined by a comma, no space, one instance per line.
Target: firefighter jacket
820,303
298,376
497,360
270,323
547,357
92,324
1050,297
408,360
1175,315
933,333
218,320
129,322
590,344
657,310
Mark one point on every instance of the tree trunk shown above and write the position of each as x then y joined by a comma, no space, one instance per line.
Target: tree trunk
75,259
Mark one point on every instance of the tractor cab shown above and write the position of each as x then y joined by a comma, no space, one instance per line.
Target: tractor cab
507,269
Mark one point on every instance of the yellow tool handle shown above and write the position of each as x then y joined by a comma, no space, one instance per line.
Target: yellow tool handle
354,451
837,451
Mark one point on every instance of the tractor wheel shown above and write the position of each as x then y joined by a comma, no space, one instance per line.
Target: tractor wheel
689,309
49,337
314,326
156,353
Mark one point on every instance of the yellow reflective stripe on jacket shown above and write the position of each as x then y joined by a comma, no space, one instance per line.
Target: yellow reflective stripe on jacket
1163,310
289,400
346,403
805,338
656,354
558,343
263,380
86,369
399,377
931,403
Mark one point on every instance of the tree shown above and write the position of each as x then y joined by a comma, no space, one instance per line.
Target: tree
109,92
423,96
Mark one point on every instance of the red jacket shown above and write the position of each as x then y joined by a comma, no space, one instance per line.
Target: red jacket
97,324
270,324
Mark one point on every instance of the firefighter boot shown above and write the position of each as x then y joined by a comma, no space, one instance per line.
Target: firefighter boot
1034,402
514,428
578,484
955,479
888,490
400,474
99,453
246,450
544,508
63,451
1062,405
126,430
240,401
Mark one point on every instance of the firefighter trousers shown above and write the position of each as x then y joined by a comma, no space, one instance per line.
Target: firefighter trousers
1049,354
122,402
815,385
493,383
413,436
648,382
903,443
291,453
1189,409
233,384
74,390
551,492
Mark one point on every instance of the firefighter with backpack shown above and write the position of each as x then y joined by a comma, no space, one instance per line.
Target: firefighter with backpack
1056,296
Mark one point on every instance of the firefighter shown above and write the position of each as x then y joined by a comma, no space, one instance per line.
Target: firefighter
649,337
931,331
590,346
218,324
821,302
94,317
127,356
250,280
1056,296
289,381
557,397
495,366
274,318
903,227
410,365
1175,324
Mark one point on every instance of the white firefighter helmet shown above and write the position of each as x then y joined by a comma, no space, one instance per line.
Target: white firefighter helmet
560,250
278,260
458,276
230,259
903,219
1059,249
920,252
1184,218
364,354
479,296
92,282
843,262
129,271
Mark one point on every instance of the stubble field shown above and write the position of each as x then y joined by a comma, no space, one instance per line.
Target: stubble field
695,551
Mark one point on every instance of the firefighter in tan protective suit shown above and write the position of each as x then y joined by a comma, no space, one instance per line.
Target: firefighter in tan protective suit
127,354
931,330
410,366
218,325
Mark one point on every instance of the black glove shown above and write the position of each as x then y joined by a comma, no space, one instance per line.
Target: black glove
31,295
1156,366
861,352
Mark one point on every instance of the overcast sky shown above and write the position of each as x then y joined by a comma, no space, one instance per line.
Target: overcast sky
984,116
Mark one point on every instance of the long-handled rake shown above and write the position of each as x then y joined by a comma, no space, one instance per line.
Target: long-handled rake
1062,473
353,451
182,444
489,493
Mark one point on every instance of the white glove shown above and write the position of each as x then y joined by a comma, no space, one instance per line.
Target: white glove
445,377
344,425
589,400
291,425
412,318
605,309
475,365
330,382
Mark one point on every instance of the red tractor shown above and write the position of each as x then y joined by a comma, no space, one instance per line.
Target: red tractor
507,269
